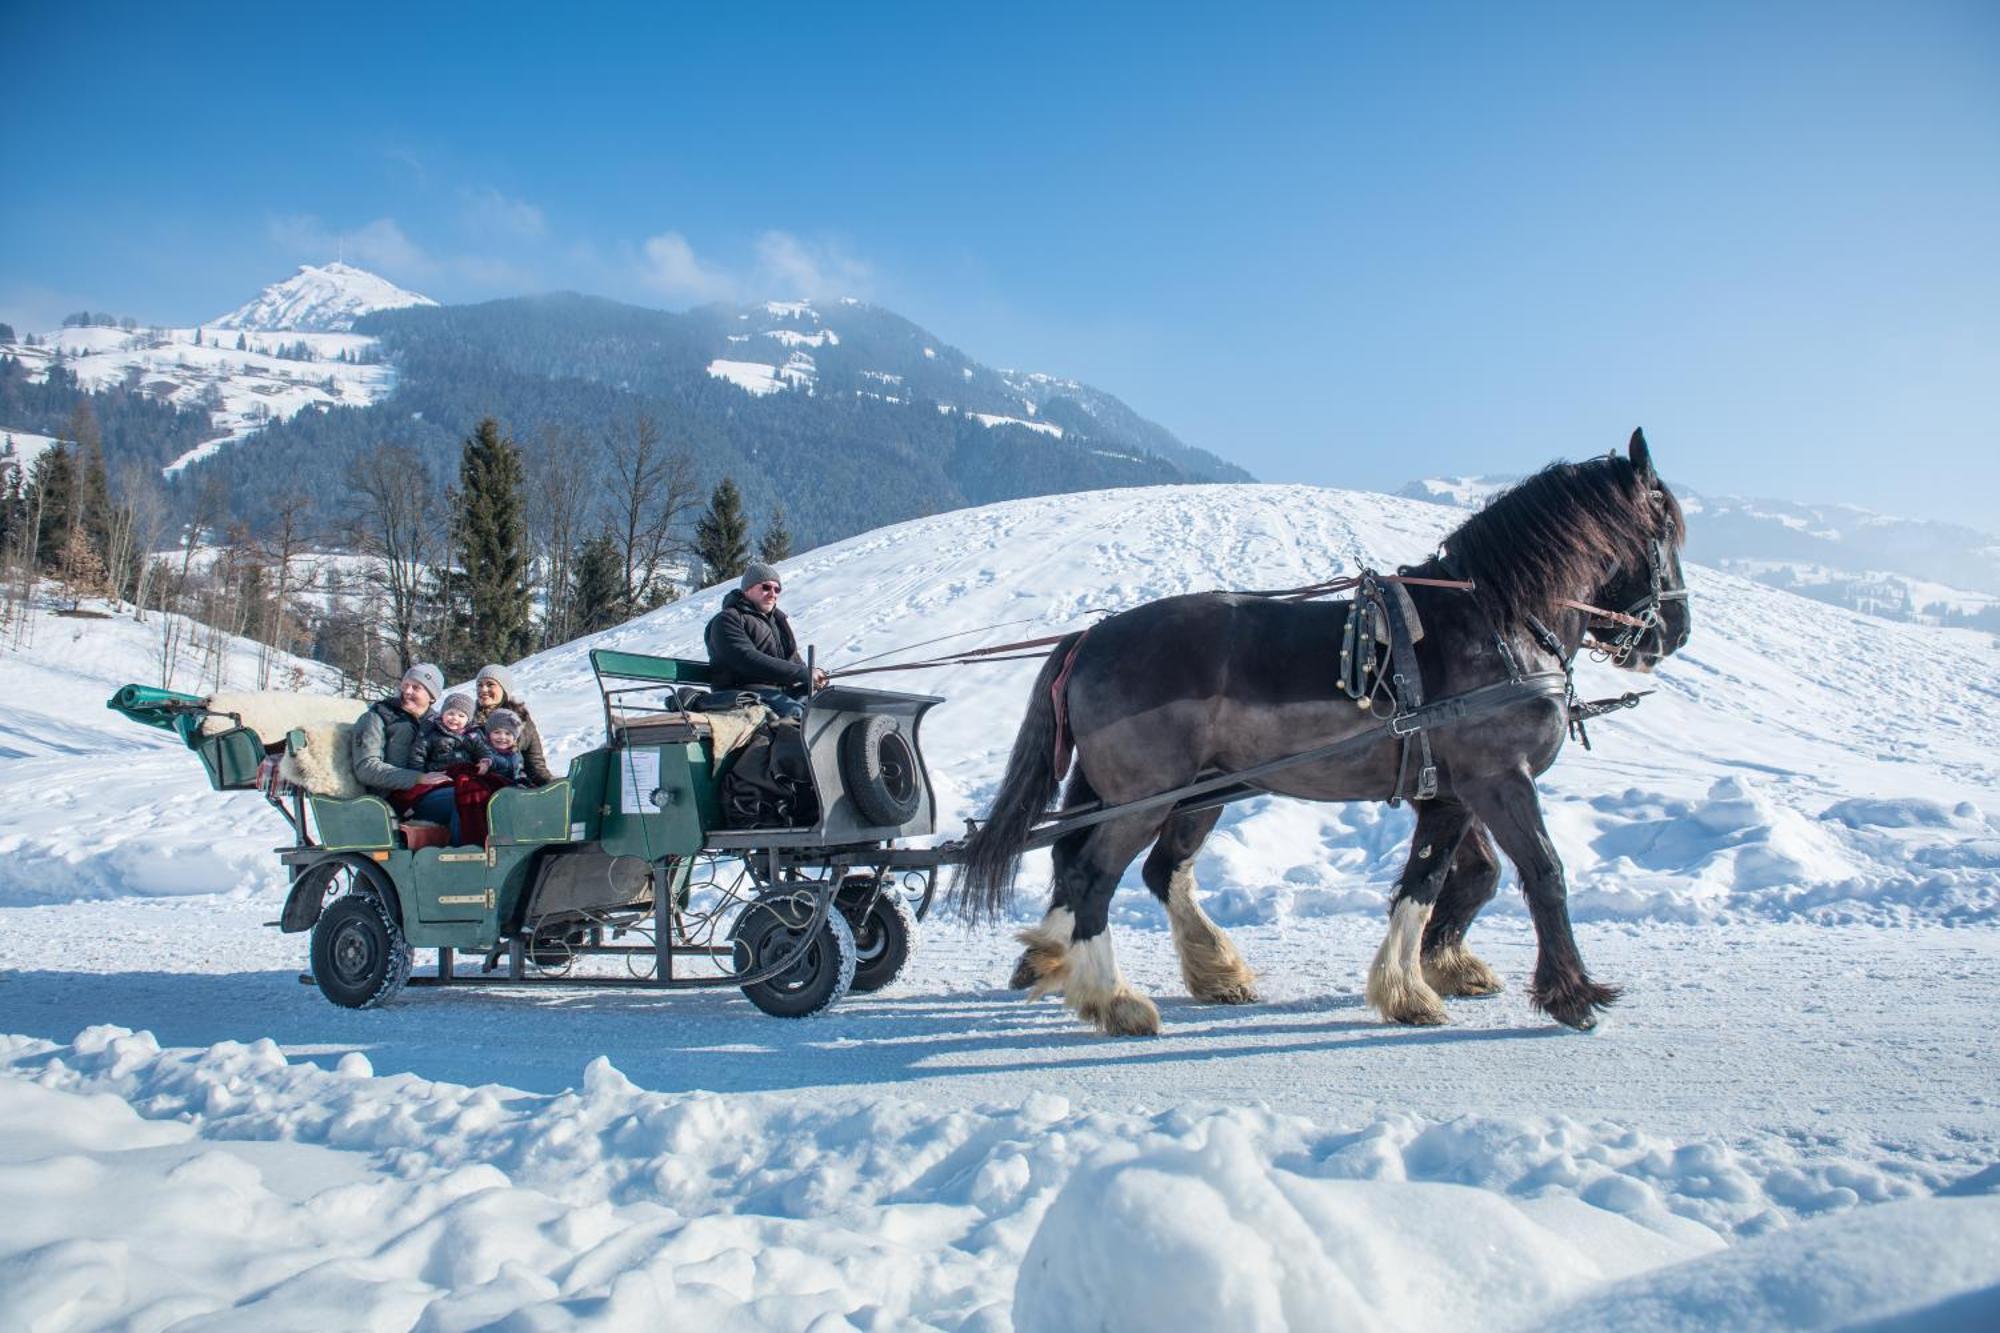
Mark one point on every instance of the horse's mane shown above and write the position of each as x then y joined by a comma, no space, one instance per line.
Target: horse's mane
1554,534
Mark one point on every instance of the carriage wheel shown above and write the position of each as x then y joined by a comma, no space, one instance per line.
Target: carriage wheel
771,928
359,956
878,766
885,931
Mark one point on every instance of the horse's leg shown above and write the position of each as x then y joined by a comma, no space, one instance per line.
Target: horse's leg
1211,966
1092,984
1045,946
1450,967
1396,986
1508,805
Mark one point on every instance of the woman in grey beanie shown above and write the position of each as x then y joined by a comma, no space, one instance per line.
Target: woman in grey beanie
495,686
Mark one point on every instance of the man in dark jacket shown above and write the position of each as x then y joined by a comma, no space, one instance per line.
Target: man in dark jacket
751,645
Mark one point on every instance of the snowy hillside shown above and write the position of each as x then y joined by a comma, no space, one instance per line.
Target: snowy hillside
319,299
1901,568
281,354
1787,855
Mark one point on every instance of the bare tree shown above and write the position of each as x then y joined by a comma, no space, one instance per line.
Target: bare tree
175,625
562,470
649,492
396,524
137,521
284,542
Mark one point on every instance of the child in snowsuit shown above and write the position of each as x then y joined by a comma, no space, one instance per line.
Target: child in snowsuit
448,744
502,744
449,738
498,767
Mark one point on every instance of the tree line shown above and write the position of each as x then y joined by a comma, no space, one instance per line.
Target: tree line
537,543
529,545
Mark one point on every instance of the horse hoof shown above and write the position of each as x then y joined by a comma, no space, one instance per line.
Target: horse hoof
1422,1018
1025,976
1456,970
1123,1014
1237,993
1578,1007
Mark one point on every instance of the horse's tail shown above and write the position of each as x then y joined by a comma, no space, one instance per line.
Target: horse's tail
984,884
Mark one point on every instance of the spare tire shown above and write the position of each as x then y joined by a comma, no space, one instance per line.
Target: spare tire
878,767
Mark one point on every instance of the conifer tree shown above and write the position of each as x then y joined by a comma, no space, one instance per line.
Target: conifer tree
722,534
54,483
597,585
489,532
777,543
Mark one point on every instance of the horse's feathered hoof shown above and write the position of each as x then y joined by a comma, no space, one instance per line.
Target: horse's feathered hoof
1243,992
1124,1013
1025,976
1456,970
1577,1005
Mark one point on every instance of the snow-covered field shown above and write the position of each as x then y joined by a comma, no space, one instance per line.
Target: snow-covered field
1786,856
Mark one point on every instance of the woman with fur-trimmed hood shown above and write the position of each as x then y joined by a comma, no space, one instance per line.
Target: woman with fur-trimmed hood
495,687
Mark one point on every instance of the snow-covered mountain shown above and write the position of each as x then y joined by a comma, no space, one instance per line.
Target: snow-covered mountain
858,416
855,350
1901,568
319,299
285,352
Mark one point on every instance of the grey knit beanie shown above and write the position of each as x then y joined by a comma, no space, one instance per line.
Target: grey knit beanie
427,676
459,700
500,676
503,719
757,573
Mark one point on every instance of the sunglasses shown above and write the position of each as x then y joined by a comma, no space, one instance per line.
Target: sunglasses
769,587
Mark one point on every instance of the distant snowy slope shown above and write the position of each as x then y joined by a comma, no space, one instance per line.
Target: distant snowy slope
319,299
1839,554
1795,760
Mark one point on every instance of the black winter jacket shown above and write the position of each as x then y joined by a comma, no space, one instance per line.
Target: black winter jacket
437,749
749,648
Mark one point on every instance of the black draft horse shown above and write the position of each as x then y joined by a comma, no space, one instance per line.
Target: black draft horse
1161,695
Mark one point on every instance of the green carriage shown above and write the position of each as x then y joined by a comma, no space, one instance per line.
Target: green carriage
624,872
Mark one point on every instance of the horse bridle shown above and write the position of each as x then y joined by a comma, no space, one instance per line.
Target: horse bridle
1642,617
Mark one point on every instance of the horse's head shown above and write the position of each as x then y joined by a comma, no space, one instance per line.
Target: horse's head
1650,594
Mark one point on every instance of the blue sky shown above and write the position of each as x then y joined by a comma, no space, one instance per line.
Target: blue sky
1341,244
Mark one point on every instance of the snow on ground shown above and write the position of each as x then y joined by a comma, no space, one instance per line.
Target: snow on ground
753,377
989,420
243,389
1785,855
26,444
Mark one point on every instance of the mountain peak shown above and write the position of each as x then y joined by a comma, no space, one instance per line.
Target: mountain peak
319,298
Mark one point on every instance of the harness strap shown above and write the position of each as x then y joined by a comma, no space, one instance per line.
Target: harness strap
1226,787
1065,744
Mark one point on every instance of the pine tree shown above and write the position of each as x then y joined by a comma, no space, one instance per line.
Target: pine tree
490,534
93,501
597,585
53,482
722,534
777,543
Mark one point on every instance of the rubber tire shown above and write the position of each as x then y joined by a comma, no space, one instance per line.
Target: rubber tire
816,981
360,959
879,769
885,933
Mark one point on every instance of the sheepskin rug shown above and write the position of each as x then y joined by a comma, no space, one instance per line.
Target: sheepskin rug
321,765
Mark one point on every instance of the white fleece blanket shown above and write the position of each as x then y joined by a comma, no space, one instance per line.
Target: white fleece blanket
321,765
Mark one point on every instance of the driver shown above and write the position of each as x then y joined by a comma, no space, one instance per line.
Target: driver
751,645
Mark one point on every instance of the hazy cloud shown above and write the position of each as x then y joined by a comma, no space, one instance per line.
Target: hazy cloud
489,211
782,266
790,267
671,268
379,245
